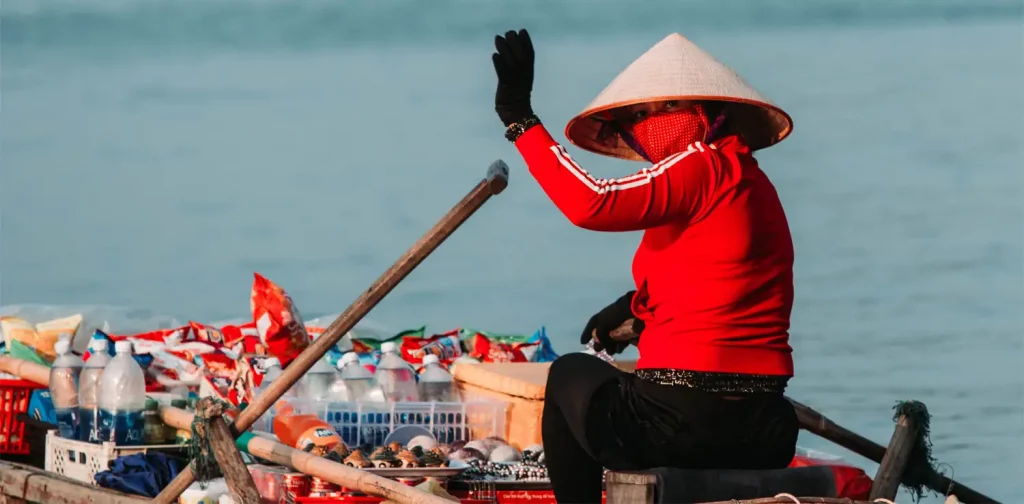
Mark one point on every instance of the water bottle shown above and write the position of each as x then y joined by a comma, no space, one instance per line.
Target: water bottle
271,372
316,384
603,355
89,391
122,398
355,381
64,388
436,384
395,376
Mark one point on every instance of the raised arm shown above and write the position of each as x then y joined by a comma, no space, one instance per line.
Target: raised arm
677,188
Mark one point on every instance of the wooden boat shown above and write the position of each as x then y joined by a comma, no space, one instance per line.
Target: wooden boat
24,484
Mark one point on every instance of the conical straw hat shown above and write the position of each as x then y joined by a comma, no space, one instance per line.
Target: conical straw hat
676,69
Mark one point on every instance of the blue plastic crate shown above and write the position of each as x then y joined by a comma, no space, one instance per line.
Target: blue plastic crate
369,422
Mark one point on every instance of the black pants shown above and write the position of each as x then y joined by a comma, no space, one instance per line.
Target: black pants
596,416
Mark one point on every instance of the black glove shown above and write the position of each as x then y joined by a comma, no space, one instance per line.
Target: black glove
605,321
514,65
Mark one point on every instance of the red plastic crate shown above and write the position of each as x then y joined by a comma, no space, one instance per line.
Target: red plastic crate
500,497
14,397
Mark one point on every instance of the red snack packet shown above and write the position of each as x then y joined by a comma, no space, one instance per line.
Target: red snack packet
235,334
277,320
207,334
492,351
253,345
218,364
244,385
446,347
169,337
361,348
247,379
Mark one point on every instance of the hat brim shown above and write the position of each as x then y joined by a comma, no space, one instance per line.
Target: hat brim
760,124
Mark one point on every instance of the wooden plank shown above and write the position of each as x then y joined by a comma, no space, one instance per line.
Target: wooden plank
894,462
230,461
20,484
630,488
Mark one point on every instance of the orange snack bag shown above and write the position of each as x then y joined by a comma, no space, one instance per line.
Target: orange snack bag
278,322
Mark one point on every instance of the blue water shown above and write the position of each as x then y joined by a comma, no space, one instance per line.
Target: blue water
89,424
68,422
156,153
123,428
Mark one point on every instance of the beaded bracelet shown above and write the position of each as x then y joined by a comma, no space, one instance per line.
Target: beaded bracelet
516,129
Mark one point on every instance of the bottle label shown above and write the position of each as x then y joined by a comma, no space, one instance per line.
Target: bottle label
67,422
89,425
123,428
318,440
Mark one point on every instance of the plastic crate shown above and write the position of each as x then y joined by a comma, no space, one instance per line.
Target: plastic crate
370,422
14,398
81,461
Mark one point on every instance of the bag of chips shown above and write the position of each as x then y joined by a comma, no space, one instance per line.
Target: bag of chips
447,347
278,322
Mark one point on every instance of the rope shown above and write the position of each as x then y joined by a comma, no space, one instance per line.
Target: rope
920,464
200,449
788,496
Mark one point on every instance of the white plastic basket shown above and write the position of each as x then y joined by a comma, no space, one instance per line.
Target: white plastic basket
361,423
81,461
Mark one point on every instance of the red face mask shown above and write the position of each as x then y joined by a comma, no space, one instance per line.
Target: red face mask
663,134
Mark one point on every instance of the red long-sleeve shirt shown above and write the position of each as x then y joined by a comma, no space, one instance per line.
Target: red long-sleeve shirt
714,270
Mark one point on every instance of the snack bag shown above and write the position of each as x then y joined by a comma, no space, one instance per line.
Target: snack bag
545,351
40,337
248,376
169,337
47,333
205,333
218,364
175,366
487,350
214,386
278,322
536,347
98,334
235,336
242,389
253,345
447,347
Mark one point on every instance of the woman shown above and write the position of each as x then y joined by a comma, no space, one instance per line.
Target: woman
713,273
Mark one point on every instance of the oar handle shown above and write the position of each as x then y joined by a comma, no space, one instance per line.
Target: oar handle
494,183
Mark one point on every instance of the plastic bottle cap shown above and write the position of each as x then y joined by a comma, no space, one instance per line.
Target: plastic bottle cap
123,347
99,345
387,347
430,359
349,358
62,347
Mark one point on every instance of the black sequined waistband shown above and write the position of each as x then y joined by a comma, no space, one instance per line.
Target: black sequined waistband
734,383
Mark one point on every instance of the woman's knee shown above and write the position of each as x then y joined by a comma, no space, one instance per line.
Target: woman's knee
570,367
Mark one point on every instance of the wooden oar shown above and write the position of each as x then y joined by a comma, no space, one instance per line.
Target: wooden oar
264,448
816,423
494,183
